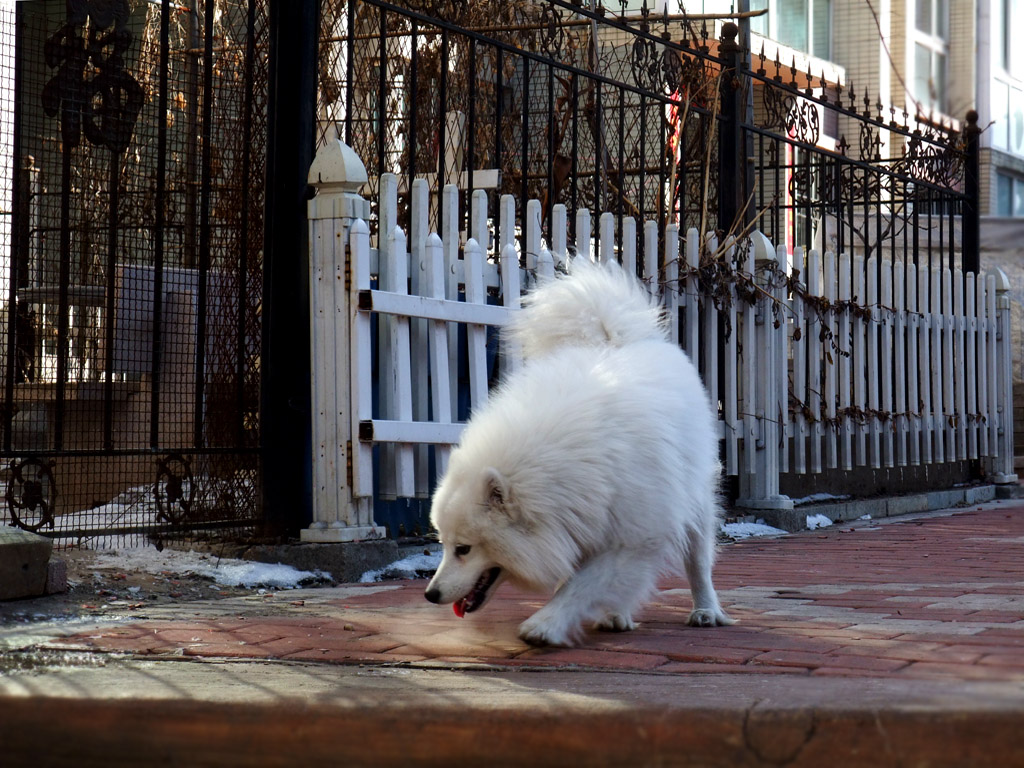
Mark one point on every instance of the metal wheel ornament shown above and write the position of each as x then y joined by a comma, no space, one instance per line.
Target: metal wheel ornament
31,493
175,488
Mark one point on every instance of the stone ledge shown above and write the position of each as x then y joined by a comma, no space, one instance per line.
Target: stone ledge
345,561
793,520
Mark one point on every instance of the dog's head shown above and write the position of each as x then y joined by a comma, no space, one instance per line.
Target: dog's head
475,514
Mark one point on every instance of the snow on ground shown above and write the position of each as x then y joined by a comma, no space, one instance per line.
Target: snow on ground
747,530
418,566
225,571
817,521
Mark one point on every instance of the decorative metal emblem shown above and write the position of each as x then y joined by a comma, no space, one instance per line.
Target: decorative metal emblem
91,89
175,488
31,493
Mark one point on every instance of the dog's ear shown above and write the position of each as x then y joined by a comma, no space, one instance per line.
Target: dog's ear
496,491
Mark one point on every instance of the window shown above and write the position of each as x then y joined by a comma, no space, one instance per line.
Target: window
805,25
931,47
1009,196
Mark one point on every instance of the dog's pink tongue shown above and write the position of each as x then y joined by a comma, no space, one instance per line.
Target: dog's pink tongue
459,606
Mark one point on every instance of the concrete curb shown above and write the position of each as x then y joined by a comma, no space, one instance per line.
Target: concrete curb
794,520
247,714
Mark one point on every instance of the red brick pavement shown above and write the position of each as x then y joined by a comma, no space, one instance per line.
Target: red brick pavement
937,597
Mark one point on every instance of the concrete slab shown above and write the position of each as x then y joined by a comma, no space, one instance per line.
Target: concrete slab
23,563
259,714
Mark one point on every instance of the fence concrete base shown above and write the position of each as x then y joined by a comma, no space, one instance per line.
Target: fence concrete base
338,533
891,506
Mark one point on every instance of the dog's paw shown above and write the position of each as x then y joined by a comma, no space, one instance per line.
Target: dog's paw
541,634
706,617
616,622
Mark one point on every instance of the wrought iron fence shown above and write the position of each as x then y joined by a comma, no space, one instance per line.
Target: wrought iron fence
616,108
132,265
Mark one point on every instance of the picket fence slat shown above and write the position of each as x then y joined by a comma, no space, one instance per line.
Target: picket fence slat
800,366
671,290
778,322
834,363
902,369
731,426
450,219
886,423
629,244
924,374
476,333
606,225
845,368
752,357
971,408
419,229
440,359
651,258
385,336
811,336
860,369
583,242
959,378
691,297
982,367
991,362
938,401
361,365
533,233
559,234
871,369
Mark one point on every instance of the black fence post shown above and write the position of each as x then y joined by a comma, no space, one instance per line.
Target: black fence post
732,161
285,367
971,255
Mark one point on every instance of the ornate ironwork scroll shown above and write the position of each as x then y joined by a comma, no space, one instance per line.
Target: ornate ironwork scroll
175,488
92,90
31,493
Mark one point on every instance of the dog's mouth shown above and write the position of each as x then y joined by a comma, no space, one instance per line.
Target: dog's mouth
478,594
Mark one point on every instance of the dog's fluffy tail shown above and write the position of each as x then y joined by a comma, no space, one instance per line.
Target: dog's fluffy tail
595,305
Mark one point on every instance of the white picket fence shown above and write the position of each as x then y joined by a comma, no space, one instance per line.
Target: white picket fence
810,383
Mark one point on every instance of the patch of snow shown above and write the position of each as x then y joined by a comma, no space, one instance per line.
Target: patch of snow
747,530
418,566
817,521
227,572
816,497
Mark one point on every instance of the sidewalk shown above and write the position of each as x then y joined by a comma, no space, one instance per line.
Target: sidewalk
866,644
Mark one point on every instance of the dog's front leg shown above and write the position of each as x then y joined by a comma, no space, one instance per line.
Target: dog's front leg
606,591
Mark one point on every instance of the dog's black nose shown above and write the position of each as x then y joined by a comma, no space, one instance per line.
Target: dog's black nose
433,595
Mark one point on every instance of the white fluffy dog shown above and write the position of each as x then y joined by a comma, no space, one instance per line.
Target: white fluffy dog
593,469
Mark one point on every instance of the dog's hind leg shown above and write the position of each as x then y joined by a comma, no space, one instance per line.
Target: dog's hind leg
700,556
605,591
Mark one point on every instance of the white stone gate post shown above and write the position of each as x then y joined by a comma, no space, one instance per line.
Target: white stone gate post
1002,469
337,173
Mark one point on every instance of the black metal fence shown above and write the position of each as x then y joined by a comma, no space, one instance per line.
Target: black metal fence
142,143
132,265
612,107
616,108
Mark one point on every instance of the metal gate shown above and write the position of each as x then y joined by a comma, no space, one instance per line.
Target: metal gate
132,154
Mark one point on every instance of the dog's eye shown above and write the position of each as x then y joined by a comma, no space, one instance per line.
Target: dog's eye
461,550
